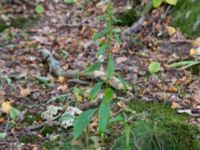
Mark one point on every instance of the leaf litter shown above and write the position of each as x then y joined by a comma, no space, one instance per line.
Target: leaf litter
66,30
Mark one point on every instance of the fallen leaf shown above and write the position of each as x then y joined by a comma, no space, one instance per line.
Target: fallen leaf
172,89
6,107
121,59
2,120
196,42
195,51
176,105
171,30
61,79
197,98
63,88
25,92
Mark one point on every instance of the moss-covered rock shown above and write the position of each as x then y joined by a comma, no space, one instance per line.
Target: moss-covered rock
186,16
159,127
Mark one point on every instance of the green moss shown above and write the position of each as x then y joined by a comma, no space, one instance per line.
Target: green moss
158,127
186,16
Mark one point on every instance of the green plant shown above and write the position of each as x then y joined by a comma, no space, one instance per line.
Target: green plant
39,9
184,64
157,3
108,34
154,67
70,1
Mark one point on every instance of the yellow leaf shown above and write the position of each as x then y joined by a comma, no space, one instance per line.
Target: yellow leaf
6,107
195,52
171,30
196,42
61,79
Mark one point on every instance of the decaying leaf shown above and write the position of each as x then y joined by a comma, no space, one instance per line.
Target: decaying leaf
6,107
195,51
196,42
176,105
171,30
52,112
25,92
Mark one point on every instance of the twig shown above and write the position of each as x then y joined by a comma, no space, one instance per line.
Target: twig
78,81
38,126
55,68
91,104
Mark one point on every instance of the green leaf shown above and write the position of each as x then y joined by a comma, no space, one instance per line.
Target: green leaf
82,122
95,90
117,38
39,9
171,2
102,49
104,110
157,3
70,1
97,36
104,117
154,67
123,82
108,95
118,118
61,98
14,113
92,68
3,135
43,80
111,67
183,63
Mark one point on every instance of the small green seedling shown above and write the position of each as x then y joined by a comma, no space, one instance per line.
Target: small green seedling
154,67
39,9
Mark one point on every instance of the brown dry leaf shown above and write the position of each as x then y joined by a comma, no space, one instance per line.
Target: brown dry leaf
196,42
184,80
79,98
25,92
115,49
171,30
121,59
2,120
176,105
195,51
61,79
172,89
6,107
92,127
162,96
63,88
122,105
197,98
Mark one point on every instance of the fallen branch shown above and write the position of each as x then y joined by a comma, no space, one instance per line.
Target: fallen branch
91,104
55,69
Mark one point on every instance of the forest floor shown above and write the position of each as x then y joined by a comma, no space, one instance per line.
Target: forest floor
67,31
